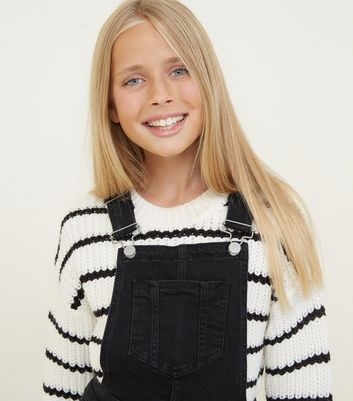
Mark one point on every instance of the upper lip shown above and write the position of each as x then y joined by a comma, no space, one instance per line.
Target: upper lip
164,116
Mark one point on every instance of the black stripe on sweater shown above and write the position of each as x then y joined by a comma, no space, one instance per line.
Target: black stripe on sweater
89,277
101,312
78,298
78,212
315,314
70,337
61,393
96,340
81,243
254,350
252,383
81,212
317,398
273,297
321,358
257,316
97,275
66,365
188,232
259,278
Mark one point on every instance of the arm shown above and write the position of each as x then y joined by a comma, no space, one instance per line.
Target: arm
297,357
70,322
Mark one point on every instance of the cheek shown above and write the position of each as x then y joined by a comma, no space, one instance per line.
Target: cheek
192,96
127,104
191,93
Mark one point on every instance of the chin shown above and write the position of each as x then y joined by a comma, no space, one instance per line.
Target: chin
167,152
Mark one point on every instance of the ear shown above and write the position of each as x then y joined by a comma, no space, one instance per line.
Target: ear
113,114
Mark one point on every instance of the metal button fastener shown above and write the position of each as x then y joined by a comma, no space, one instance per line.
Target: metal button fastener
130,251
234,248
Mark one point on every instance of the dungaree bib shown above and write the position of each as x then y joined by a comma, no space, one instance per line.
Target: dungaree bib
177,323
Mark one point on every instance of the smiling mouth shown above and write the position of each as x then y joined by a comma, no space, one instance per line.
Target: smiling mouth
166,126
167,131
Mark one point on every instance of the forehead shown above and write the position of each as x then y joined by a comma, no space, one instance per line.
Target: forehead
140,43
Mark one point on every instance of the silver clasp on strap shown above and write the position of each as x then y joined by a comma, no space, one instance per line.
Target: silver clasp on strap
130,250
235,243
120,229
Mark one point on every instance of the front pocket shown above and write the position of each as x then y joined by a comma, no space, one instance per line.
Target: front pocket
178,326
95,391
104,393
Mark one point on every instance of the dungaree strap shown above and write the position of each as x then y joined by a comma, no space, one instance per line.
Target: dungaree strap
238,216
122,217
121,214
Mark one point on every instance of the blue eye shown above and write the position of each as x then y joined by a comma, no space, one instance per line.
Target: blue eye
136,79
132,79
181,68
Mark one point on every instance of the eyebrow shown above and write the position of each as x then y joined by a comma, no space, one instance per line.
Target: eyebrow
134,67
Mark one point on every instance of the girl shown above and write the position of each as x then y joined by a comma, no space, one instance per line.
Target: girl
189,272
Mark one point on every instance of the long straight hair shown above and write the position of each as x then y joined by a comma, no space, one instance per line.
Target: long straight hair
225,158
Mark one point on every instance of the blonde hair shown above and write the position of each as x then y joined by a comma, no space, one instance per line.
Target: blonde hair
225,158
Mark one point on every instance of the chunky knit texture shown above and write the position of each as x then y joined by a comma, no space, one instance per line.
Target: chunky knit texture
290,351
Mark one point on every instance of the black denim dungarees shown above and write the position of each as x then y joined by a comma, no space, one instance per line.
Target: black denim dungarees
176,328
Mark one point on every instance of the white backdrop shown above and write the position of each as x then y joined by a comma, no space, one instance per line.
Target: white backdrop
289,67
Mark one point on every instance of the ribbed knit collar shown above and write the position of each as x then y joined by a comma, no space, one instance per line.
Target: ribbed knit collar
176,217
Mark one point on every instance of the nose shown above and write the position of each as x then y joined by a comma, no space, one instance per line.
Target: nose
160,92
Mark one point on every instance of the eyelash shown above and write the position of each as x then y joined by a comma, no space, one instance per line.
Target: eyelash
132,79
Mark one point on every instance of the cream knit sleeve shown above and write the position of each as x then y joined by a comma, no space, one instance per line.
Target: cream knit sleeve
297,357
70,322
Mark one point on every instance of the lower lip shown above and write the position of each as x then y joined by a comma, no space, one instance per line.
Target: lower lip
166,132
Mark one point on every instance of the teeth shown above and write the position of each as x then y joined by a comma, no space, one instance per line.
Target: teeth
164,123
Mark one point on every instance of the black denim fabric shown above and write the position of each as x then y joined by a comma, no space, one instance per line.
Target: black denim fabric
176,328
95,391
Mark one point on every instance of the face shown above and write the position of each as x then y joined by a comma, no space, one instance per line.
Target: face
158,87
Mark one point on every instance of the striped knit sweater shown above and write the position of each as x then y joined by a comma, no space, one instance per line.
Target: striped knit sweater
290,351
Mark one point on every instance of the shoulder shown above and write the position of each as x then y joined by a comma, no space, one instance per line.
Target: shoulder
84,201
83,206
83,216
84,221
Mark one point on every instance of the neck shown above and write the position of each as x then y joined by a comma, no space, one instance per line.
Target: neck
170,179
